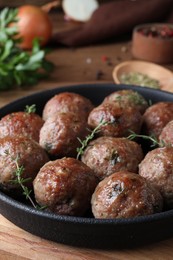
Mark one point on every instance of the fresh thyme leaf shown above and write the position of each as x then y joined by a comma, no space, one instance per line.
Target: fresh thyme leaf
153,139
150,102
30,109
84,143
41,207
21,182
19,67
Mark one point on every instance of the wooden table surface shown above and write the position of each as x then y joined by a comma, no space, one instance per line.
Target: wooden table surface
73,66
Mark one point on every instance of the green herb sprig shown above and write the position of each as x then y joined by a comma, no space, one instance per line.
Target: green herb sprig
19,67
30,109
19,180
153,139
84,143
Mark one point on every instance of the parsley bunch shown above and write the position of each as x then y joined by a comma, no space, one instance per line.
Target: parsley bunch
19,67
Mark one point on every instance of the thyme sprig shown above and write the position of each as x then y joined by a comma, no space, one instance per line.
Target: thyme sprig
21,181
30,109
151,138
84,143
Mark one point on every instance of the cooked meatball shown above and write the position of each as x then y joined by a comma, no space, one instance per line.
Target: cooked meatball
67,102
125,195
65,186
128,97
157,168
19,151
120,120
166,136
59,134
106,155
21,123
156,117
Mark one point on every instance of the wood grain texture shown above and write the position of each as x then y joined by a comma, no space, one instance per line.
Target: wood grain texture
18,244
73,66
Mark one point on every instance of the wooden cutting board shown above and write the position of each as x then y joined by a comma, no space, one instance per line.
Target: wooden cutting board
17,244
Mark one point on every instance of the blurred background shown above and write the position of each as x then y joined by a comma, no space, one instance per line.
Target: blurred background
9,3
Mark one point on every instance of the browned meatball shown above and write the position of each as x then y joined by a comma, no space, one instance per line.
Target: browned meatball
106,155
67,102
128,97
157,168
21,123
156,117
23,152
120,120
166,136
65,186
59,134
125,195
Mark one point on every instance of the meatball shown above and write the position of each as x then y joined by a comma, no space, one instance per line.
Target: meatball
106,155
125,195
21,123
119,119
128,97
156,117
166,136
67,102
65,186
59,134
19,151
157,168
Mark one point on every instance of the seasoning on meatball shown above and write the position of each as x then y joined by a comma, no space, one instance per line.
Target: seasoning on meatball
106,155
125,195
128,97
67,102
28,154
166,136
65,186
21,123
59,134
157,168
120,119
156,117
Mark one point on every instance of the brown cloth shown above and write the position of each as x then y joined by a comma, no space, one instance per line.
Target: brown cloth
115,19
